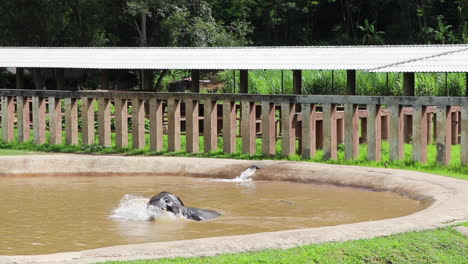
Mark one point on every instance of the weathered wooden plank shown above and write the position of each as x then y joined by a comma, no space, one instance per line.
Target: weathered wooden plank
309,147
71,121
298,99
104,128
156,124
121,123
174,124
55,120
192,127
454,130
8,118
351,119
138,123
374,132
39,125
248,127
443,132
268,128
430,128
229,126
23,121
396,132
420,133
210,129
464,133
287,129
329,132
87,120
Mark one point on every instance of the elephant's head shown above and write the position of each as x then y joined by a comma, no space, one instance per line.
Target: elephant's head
167,201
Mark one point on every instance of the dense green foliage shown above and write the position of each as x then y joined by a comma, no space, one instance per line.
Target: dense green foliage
231,22
238,23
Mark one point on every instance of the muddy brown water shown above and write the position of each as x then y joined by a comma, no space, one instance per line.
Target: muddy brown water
41,215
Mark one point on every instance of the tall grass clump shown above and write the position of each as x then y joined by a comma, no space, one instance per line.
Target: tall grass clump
334,82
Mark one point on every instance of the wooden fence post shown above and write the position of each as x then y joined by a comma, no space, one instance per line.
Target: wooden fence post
87,120
396,132
329,132
374,132
288,111
156,124
138,123
420,133
454,130
229,126
55,120
210,129
104,127
192,127
351,120
174,124
8,118
248,127
464,133
308,131
443,134
39,125
268,128
71,121
121,122
23,123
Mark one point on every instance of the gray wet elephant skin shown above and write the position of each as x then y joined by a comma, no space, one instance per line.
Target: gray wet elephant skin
167,201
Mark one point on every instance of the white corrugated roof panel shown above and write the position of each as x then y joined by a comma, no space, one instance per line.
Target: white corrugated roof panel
448,62
250,58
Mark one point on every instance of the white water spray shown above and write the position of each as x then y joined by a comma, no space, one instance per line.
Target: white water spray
135,208
245,176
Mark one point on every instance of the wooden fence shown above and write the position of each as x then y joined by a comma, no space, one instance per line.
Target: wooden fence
304,123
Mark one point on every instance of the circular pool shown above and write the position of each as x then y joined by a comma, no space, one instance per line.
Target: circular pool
56,203
57,214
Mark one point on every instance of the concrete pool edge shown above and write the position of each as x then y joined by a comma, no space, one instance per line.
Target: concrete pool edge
449,197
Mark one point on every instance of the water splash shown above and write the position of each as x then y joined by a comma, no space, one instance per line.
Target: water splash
134,208
244,177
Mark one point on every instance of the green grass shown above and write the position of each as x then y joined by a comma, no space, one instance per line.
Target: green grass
328,82
15,152
443,245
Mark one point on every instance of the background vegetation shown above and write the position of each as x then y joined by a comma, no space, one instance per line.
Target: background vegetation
164,23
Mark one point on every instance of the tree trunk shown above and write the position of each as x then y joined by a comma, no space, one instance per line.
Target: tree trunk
157,87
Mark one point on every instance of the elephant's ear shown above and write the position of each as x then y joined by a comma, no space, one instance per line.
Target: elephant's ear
180,201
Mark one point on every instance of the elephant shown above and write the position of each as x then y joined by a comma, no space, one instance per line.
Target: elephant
169,202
